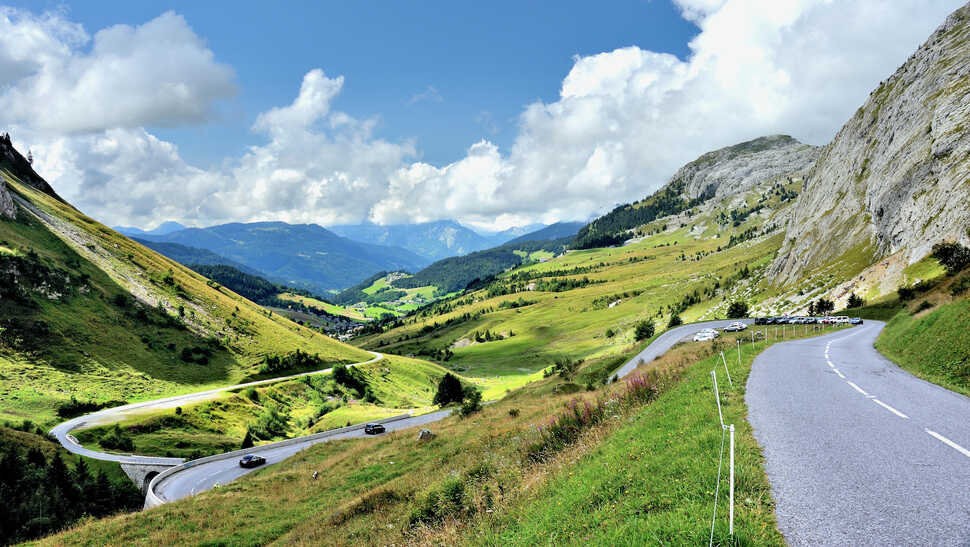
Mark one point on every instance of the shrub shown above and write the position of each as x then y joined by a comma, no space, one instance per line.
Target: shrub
924,305
960,286
952,256
581,414
610,333
472,401
824,306
251,394
644,330
114,439
855,301
449,390
446,500
737,310
513,412
675,320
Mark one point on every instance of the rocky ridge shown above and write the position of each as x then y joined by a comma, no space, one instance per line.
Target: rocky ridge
896,178
741,167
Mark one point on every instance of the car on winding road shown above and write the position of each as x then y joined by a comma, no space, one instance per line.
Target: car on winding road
737,326
374,429
251,460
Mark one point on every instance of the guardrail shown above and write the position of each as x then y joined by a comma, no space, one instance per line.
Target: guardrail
154,500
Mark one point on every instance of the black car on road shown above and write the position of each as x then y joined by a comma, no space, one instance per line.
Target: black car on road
251,460
374,429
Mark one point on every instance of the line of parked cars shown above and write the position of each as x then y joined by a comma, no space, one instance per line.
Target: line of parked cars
796,320
710,334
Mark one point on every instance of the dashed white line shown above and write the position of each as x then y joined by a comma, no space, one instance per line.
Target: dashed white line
949,443
857,388
890,409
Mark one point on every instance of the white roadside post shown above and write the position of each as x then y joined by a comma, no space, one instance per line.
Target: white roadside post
731,496
717,397
726,371
739,352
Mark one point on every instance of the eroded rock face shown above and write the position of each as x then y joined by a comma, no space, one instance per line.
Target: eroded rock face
896,178
7,209
739,168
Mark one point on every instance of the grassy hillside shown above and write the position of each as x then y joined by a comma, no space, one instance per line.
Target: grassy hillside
279,411
649,462
928,334
90,314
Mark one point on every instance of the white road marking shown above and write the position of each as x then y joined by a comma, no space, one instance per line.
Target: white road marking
857,388
890,409
839,373
830,364
950,443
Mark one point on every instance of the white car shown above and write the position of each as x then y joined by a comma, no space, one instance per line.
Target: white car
737,326
705,335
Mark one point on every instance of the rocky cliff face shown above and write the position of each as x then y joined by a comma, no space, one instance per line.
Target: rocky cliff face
7,209
896,178
741,167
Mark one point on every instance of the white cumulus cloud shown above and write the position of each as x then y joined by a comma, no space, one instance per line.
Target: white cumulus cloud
624,121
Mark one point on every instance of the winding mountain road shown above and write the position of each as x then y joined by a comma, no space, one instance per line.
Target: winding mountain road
189,478
859,451
62,432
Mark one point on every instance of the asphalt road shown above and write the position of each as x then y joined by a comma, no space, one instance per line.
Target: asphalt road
667,340
62,432
200,478
858,451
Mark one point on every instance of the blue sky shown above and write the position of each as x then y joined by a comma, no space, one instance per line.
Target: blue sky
390,112
444,73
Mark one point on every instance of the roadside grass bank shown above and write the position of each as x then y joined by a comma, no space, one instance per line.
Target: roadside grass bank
934,344
652,481
473,477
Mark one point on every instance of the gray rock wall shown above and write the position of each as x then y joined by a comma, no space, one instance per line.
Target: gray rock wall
896,178
739,168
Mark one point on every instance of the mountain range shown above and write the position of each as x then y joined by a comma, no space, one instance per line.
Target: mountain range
431,240
301,255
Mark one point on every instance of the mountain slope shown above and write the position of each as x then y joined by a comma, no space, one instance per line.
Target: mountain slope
88,313
558,230
896,178
164,228
431,240
718,174
301,255
188,256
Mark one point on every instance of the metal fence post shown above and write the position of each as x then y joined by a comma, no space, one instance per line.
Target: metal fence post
718,397
726,371
731,496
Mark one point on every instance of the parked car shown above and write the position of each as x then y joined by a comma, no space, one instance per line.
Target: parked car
251,460
704,336
737,326
374,429
856,321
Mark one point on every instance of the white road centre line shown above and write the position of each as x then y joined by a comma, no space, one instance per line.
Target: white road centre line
839,373
857,388
830,364
950,443
890,409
